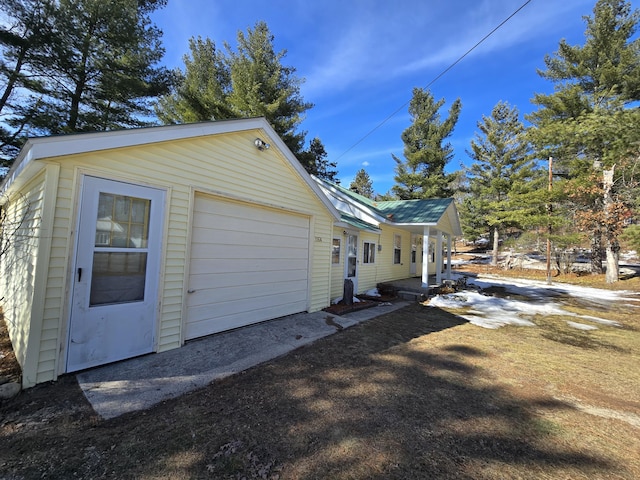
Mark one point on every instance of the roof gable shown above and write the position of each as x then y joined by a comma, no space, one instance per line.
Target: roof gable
26,164
439,212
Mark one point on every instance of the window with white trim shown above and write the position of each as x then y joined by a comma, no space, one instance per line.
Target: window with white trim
368,252
397,249
335,251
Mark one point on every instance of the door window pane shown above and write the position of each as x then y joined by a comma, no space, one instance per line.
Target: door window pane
335,252
123,222
352,255
117,277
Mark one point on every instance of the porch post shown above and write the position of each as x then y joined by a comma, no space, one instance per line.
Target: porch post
425,257
439,257
449,256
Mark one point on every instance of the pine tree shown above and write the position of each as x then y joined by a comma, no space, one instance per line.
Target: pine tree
597,85
200,93
248,81
502,180
362,184
421,174
100,73
314,160
262,87
631,235
25,34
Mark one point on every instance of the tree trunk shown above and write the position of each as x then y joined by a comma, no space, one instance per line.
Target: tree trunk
613,262
496,242
612,246
596,252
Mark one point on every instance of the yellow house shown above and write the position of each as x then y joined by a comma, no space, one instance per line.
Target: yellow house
377,242
130,242
118,244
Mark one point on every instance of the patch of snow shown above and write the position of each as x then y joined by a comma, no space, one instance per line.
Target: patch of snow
493,312
600,320
581,326
373,293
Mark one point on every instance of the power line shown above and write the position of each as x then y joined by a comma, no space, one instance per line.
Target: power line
440,75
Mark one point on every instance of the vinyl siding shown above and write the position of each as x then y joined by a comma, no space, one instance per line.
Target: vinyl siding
387,270
368,272
18,268
383,270
228,165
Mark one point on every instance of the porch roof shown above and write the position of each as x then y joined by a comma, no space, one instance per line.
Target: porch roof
358,223
414,211
427,211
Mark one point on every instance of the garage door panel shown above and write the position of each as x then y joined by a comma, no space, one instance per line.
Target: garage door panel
222,323
255,280
243,219
223,237
262,295
248,264
257,311
273,254
232,265
217,230
240,213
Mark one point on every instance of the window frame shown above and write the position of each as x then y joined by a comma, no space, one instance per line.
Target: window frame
397,249
335,253
368,252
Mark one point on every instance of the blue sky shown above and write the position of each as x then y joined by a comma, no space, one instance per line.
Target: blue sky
361,59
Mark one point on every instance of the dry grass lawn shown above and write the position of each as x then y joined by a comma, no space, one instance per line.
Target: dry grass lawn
417,393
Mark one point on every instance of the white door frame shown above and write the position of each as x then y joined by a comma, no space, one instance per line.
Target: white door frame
109,330
355,263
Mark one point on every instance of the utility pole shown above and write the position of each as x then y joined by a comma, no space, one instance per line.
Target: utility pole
549,230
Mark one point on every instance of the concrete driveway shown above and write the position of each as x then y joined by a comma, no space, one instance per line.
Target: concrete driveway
141,382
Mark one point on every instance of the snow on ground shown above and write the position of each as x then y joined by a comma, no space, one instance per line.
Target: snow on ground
523,299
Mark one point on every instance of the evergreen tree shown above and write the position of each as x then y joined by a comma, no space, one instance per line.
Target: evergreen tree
25,34
314,160
100,73
362,184
200,93
502,180
631,235
250,81
262,87
421,174
597,85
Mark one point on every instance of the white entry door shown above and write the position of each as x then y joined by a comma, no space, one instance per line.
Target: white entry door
115,285
351,262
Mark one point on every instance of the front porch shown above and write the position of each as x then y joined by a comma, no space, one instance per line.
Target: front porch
410,288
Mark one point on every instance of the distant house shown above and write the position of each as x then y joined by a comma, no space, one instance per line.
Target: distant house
136,241
377,242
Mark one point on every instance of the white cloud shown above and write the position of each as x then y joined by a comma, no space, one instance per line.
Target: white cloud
415,36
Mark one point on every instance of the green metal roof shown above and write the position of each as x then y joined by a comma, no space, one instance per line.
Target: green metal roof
359,224
414,211
428,210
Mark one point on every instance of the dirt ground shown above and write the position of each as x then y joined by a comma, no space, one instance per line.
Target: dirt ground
416,393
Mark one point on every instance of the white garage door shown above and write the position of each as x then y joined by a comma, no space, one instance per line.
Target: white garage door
248,264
